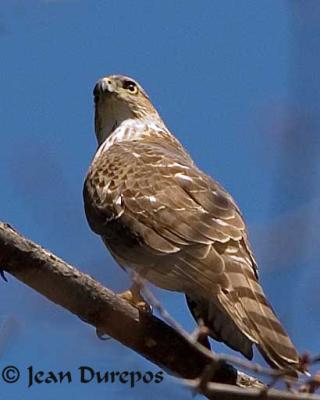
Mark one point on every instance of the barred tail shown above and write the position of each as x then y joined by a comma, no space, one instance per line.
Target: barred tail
262,329
240,315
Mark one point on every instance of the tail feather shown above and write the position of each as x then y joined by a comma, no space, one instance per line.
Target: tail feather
241,316
222,327
257,318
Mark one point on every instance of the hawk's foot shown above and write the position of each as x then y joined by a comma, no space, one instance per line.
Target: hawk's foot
134,297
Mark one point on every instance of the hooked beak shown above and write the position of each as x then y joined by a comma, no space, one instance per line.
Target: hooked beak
103,86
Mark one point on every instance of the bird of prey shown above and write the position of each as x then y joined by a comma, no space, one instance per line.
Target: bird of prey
164,218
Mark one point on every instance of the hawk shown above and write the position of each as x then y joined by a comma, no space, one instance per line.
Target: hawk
161,216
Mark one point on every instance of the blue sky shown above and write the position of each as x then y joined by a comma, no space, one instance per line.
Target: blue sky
232,79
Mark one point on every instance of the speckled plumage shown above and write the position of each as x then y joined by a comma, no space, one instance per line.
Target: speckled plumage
160,215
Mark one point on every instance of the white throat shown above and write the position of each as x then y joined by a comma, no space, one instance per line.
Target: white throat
131,129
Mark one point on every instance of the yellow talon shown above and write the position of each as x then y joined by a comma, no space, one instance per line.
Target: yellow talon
134,297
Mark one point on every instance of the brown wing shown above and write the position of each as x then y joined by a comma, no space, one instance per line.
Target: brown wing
161,215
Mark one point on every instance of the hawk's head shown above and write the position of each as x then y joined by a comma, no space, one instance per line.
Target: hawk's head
118,98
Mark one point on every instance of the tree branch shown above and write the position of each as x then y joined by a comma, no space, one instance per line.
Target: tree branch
230,392
103,309
100,307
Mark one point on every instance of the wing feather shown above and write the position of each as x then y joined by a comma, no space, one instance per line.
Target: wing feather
185,232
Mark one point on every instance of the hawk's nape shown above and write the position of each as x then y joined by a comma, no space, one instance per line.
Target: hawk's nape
161,216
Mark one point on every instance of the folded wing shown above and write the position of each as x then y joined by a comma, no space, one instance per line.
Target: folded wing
158,213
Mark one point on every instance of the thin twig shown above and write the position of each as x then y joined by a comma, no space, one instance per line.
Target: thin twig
154,302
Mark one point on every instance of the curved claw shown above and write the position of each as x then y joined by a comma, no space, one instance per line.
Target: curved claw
134,297
102,335
3,275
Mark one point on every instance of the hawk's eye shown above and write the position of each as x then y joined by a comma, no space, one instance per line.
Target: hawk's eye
130,86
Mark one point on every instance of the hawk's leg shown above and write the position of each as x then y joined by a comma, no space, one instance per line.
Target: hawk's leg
201,334
203,339
134,297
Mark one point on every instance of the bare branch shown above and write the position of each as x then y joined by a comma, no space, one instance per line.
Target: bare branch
230,392
100,307
103,309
